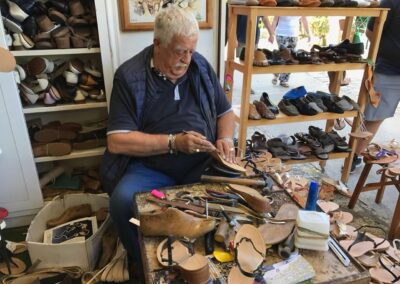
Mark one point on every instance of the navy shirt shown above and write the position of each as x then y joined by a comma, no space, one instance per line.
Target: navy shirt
388,59
241,29
175,110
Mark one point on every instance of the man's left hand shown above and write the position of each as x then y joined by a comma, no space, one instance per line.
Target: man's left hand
226,148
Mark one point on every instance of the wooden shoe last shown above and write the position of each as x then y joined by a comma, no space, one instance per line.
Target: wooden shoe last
173,222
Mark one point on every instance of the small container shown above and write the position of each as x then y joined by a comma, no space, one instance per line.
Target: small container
312,197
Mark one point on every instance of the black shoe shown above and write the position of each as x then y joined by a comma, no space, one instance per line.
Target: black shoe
303,107
21,9
357,161
265,99
30,27
331,105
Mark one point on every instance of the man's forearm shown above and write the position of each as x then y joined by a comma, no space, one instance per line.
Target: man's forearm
138,144
226,125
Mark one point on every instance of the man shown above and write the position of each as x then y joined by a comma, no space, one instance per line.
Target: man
387,75
167,111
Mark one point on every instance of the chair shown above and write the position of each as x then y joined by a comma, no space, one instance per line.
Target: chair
389,176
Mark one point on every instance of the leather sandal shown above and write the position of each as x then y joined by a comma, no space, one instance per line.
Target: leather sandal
363,243
249,249
280,227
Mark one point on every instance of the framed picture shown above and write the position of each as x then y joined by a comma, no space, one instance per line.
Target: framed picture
140,14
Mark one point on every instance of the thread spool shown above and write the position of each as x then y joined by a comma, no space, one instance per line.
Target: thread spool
312,197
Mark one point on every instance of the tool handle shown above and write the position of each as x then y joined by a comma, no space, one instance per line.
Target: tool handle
241,181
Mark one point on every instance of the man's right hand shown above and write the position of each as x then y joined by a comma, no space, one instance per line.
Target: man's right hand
192,142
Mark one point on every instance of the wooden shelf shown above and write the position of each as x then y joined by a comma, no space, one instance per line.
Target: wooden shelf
336,155
283,118
47,52
307,11
74,155
63,107
238,65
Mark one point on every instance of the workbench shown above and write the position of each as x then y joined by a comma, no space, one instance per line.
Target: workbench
327,266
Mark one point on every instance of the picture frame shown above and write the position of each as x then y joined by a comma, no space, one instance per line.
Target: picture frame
139,15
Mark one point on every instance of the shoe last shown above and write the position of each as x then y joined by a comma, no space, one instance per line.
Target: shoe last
173,222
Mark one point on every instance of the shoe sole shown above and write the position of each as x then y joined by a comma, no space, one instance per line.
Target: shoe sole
50,135
52,149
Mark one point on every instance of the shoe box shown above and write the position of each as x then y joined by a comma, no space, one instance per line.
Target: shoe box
83,253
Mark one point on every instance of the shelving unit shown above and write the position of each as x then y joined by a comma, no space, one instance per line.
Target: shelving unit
21,193
247,68
49,52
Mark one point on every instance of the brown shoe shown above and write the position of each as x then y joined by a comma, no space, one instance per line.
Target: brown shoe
72,213
253,114
173,222
51,149
76,8
263,110
44,23
51,134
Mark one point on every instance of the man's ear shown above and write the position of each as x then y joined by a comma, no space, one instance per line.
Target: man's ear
156,42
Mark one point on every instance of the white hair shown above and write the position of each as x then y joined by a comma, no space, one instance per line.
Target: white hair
174,21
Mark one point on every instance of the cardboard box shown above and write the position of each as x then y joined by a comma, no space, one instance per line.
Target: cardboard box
83,254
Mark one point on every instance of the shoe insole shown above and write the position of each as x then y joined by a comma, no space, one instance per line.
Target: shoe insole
341,216
179,252
249,247
252,197
276,233
357,249
227,164
235,276
327,206
381,275
369,259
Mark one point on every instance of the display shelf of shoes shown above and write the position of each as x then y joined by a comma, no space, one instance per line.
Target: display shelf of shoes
99,107
246,67
75,154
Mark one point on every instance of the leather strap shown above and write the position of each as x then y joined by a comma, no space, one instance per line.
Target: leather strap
177,204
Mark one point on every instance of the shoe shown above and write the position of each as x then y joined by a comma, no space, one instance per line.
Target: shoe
21,9
303,107
331,105
288,108
59,5
72,213
310,98
253,114
39,65
357,161
11,23
29,27
263,110
342,103
174,222
265,99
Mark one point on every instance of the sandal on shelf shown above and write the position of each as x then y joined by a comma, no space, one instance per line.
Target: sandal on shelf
314,144
259,142
279,228
363,242
326,141
249,255
278,149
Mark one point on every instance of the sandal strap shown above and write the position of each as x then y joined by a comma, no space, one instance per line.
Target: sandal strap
258,270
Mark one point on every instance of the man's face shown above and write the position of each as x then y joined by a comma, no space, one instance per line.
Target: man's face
174,59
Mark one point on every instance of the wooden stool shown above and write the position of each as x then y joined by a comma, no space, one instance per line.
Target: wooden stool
389,176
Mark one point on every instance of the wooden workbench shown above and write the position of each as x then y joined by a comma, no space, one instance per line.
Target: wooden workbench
327,267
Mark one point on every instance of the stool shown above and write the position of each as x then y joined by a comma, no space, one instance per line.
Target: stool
389,176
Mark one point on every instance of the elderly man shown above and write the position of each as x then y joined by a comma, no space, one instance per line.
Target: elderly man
167,111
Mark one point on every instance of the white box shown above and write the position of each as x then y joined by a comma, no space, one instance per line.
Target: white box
83,254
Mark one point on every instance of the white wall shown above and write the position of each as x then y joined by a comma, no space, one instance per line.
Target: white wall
124,45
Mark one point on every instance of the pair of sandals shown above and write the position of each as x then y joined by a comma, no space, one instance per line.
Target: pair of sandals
377,152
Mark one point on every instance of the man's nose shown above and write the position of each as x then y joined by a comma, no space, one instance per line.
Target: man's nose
186,58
